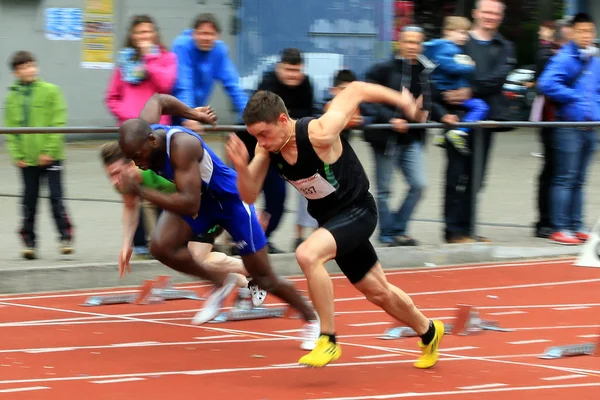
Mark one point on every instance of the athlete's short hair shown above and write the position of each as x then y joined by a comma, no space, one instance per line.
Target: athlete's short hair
264,106
111,152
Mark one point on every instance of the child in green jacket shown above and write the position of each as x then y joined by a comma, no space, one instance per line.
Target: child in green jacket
31,102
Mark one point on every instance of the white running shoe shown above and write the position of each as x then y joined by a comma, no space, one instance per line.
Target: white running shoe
310,334
212,306
258,295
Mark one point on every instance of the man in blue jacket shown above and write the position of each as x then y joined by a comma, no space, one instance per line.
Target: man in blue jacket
202,59
571,80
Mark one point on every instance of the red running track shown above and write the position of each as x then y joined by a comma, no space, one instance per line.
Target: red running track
53,348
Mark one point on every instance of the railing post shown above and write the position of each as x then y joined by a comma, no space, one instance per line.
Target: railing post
477,163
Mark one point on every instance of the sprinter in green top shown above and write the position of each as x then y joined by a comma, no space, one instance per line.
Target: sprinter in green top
201,247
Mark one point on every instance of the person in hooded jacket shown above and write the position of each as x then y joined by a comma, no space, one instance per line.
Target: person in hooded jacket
453,70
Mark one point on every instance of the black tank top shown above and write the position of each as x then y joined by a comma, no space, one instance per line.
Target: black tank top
329,188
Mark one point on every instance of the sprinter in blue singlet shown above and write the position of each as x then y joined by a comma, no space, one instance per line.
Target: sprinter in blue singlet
206,195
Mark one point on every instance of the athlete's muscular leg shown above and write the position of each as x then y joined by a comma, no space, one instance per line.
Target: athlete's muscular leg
169,246
220,263
312,255
392,300
262,273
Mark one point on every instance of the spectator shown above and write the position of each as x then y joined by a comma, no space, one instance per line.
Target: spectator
289,82
453,72
571,79
32,102
549,45
494,59
342,78
144,67
398,146
201,59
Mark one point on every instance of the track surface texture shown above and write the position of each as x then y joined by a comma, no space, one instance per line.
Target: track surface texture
54,348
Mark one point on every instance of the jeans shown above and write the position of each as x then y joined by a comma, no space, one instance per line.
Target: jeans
573,149
410,160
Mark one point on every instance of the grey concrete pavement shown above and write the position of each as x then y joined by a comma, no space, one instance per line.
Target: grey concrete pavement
506,215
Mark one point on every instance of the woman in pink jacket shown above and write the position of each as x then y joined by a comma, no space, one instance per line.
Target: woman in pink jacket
144,67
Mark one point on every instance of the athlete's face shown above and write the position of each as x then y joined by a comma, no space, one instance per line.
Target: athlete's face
147,154
114,170
271,136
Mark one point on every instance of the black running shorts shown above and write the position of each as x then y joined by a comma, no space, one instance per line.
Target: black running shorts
352,228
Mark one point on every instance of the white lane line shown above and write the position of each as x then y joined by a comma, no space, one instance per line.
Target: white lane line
23,389
488,386
120,380
529,341
563,377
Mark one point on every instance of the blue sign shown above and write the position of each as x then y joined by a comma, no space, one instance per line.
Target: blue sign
73,20
64,23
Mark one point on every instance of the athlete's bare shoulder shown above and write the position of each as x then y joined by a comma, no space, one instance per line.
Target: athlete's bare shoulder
185,148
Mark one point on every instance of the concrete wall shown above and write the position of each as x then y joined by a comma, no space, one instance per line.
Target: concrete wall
22,24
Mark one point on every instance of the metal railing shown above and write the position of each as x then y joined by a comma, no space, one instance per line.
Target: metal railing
478,144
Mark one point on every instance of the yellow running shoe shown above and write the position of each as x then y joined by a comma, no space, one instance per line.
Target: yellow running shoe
429,356
323,353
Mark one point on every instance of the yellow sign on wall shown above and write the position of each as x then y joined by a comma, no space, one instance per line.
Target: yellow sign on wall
98,34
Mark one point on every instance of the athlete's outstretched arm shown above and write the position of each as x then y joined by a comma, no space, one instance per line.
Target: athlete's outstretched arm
131,213
160,104
186,151
325,130
250,178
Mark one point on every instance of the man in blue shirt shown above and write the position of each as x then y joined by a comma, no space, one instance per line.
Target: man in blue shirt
202,59
571,80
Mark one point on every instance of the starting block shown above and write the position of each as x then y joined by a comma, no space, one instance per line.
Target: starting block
466,322
152,291
243,310
572,350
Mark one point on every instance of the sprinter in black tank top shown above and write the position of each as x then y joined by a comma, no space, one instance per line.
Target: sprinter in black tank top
329,188
311,155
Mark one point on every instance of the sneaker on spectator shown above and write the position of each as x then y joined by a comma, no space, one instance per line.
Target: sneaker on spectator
406,241
273,249
29,252
66,245
582,236
565,238
458,139
439,140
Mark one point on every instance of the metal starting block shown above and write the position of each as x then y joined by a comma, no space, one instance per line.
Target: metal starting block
243,310
151,292
466,322
583,349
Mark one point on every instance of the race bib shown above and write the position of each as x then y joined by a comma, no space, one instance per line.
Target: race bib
314,187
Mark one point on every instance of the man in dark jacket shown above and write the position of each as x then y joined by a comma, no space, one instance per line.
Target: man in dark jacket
290,83
398,146
494,59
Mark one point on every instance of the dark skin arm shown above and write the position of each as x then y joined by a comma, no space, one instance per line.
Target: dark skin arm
186,151
161,104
